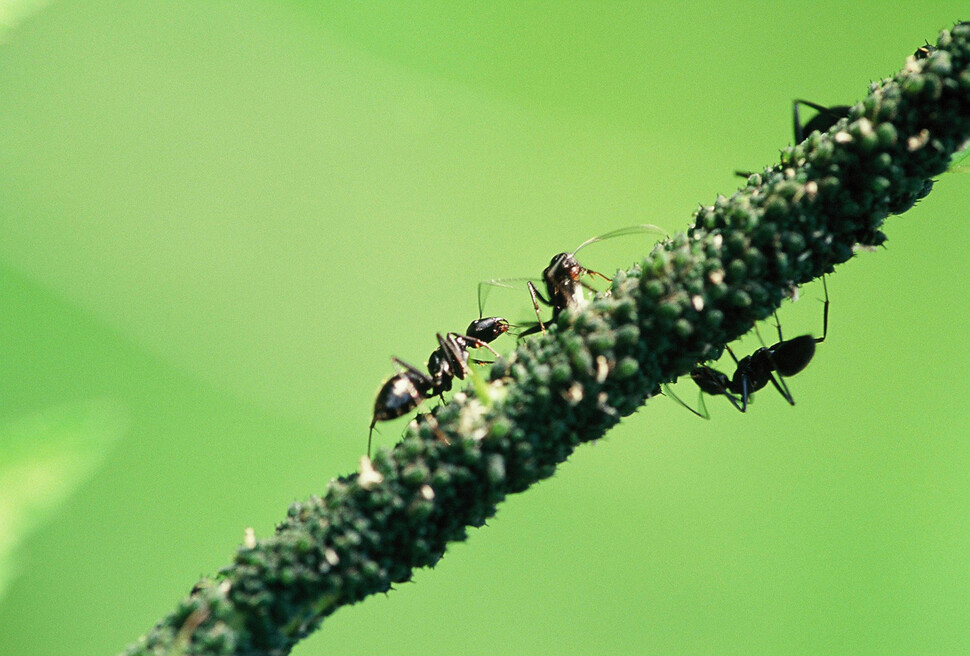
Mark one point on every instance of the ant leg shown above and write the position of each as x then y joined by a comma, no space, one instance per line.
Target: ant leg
778,326
454,353
669,392
758,333
798,128
733,357
734,401
409,368
531,330
429,419
825,314
796,123
475,342
596,273
536,297
700,401
781,387
744,394
370,435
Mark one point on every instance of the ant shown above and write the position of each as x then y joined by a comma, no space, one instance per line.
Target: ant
924,51
405,390
829,116
786,358
563,280
822,121
826,117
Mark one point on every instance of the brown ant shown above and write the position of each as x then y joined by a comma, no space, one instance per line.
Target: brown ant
405,390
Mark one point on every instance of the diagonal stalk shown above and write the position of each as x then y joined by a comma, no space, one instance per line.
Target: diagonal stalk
691,295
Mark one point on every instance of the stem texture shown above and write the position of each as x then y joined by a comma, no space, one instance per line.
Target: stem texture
689,297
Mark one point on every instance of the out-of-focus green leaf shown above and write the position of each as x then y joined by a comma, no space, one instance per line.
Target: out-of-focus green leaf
44,457
14,12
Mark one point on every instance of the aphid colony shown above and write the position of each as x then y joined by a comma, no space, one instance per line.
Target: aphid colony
565,287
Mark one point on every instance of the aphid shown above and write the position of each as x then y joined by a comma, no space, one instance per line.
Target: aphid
563,280
405,390
769,364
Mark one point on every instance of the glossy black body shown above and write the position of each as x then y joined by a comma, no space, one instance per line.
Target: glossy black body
924,51
564,285
405,390
768,364
824,119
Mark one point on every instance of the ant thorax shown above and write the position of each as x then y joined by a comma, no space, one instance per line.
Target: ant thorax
562,278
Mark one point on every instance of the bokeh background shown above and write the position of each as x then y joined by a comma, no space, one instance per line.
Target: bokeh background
219,220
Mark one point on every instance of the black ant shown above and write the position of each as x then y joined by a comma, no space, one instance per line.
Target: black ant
924,51
825,118
786,358
405,390
563,280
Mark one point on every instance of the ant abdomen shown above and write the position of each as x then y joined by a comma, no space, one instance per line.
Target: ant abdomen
792,356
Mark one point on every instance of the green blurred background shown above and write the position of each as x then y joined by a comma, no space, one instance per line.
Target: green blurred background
220,220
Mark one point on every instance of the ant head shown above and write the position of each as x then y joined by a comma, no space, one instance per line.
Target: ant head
710,380
563,266
487,329
924,51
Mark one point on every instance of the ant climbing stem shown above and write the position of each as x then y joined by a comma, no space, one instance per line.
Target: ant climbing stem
564,286
924,51
824,119
563,280
753,372
405,390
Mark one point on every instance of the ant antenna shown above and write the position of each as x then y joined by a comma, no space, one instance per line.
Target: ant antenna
622,232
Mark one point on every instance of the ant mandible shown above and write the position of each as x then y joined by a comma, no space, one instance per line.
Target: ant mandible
405,390
785,358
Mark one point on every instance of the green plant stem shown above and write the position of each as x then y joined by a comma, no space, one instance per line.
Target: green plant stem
689,297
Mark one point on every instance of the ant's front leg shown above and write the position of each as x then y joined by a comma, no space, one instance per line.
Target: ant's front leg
536,297
703,415
474,342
